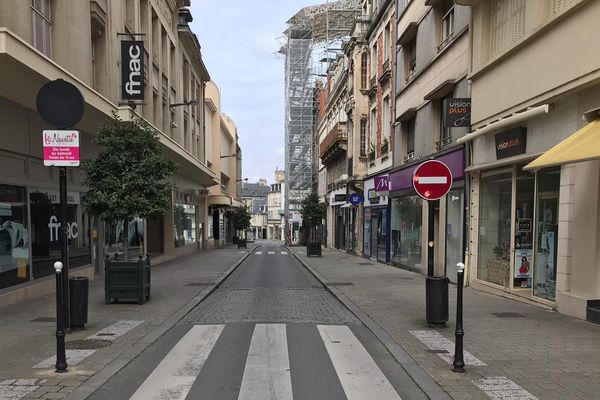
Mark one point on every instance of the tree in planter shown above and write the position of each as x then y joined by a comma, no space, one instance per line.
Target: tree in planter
241,218
312,213
126,180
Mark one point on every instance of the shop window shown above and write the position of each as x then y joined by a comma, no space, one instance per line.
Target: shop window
45,231
548,187
42,26
454,231
14,236
407,231
113,237
367,232
184,225
493,263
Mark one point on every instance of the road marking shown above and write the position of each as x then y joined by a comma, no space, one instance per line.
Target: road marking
270,252
175,374
258,253
74,357
267,371
241,251
435,180
12,389
115,330
284,253
502,388
360,376
436,342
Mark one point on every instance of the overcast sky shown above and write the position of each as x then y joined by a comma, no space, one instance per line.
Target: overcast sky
240,40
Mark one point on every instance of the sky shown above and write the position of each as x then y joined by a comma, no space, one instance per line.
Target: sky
239,41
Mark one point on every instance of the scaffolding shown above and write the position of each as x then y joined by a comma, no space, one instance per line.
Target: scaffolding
313,38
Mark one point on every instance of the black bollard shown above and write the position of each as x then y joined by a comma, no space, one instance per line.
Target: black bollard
61,357
459,360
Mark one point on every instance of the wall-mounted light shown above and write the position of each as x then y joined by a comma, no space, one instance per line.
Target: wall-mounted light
185,103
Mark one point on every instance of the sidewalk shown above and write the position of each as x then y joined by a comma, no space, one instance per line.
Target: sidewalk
520,351
27,329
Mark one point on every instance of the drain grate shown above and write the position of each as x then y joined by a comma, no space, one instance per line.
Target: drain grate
44,319
508,315
365,263
341,284
87,344
198,284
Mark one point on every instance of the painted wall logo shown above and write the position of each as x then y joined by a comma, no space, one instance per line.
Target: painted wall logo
132,70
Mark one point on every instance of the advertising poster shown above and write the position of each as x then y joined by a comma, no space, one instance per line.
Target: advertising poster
523,263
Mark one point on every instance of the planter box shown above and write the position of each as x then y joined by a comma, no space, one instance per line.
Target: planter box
127,280
313,249
242,243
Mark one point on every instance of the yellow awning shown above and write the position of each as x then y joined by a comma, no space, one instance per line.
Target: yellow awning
582,145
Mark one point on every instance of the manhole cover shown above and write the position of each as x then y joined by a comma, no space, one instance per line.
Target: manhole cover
365,263
87,344
341,284
197,284
507,315
44,319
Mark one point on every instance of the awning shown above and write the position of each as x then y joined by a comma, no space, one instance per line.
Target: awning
219,200
582,145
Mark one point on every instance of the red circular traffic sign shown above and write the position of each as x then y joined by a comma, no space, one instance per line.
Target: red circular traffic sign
432,180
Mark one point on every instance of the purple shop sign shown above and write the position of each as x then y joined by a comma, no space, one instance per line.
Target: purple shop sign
382,183
403,178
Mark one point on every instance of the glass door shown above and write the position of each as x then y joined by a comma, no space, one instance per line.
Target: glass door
454,231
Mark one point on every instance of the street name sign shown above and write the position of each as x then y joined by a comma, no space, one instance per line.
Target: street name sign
61,148
432,180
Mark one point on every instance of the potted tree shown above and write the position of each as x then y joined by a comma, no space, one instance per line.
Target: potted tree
241,222
313,213
125,181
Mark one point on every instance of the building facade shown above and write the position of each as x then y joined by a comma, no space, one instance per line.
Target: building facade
275,208
254,196
534,224
80,42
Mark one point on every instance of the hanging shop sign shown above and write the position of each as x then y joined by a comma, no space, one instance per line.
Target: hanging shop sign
61,148
432,180
132,70
382,183
339,198
355,199
457,113
511,143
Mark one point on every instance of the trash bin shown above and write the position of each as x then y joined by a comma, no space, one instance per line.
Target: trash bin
78,290
436,298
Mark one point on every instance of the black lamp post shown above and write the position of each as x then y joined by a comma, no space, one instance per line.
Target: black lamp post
459,361
61,357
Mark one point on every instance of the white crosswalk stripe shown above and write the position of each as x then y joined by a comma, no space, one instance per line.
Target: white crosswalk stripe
258,253
361,378
284,253
174,376
270,252
267,372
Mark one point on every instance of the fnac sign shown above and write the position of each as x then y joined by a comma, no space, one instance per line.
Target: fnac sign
132,70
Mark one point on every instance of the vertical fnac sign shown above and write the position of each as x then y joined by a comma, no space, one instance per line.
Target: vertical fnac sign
132,70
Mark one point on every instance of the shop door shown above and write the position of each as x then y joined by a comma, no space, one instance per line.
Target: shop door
374,233
367,232
155,235
454,231
339,229
382,236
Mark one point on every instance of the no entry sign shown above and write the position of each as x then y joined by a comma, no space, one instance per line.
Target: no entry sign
432,180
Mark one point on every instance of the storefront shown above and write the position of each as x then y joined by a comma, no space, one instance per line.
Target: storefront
409,217
337,218
375,221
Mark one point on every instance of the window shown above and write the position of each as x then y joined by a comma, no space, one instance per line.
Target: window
184,225
374,62
14,234
98,36
507,24
445,136
386,119
363,136
410,55
364,64
447,23
406,227
373,135
130,15
410,137
42,26
386,44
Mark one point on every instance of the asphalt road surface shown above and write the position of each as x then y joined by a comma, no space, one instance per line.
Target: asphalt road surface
269,332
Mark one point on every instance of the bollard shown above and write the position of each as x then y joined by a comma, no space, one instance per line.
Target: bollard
61,357
459,361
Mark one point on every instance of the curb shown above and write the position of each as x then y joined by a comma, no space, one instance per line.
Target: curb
85,390
418,374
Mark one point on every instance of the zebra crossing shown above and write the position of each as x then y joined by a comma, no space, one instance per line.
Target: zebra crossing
268,371
270,253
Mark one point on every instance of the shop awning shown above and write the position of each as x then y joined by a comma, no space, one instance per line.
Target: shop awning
219,200
582,145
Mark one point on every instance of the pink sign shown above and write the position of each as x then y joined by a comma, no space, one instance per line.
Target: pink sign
61,148
382,183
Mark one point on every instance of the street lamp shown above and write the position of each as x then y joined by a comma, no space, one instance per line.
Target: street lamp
61,357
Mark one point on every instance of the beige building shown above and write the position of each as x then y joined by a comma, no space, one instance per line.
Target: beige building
224,157
79,41
534,228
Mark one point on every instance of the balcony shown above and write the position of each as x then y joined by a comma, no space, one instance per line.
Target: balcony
387,72
335,143
409,156
372,86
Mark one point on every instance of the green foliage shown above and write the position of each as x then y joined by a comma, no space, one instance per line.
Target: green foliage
241,218
312,211
126,180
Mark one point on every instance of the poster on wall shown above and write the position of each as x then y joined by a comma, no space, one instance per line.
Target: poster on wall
523,259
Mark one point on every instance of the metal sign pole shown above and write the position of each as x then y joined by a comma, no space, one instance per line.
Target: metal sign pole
64,245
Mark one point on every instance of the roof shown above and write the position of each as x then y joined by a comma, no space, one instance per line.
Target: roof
255,190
